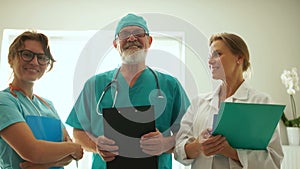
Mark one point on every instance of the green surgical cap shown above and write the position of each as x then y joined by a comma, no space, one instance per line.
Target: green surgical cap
131,20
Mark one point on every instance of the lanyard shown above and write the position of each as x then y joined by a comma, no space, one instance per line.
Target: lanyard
12,88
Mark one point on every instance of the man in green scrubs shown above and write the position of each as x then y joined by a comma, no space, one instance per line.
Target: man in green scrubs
136,85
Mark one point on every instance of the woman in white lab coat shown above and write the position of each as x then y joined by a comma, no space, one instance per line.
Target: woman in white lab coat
228,60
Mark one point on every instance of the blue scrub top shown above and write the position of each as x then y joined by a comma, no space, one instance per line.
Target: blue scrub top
13,110
168,111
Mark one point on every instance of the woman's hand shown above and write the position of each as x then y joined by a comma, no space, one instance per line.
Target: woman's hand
29,165
194,147
209,145
78,152
213,145
229,151
218,145
62,162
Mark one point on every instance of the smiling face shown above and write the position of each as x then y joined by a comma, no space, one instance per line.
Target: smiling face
28,72
133,44
222,62
229,57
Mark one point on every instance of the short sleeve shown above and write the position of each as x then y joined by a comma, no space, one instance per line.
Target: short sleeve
80,115
10,110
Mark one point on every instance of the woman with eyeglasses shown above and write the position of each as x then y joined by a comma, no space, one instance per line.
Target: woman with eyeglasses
31,133
195,146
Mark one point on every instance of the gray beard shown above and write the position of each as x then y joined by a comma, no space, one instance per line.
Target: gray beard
133,57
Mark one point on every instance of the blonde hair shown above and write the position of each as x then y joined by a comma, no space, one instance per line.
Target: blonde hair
235,44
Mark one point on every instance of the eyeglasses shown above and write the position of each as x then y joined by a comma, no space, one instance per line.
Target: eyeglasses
138,33
28,56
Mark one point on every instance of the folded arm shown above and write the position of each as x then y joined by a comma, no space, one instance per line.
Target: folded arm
63,162
22,140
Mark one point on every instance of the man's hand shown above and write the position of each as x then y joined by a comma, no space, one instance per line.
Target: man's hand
154,143
107,148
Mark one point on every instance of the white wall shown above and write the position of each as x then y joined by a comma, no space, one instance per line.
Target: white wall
271,28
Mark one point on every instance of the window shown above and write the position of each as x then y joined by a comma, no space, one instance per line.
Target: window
68,47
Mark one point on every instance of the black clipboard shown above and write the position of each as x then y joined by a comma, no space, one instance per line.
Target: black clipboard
126,125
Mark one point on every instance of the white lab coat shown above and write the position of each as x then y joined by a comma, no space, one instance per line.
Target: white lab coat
199,116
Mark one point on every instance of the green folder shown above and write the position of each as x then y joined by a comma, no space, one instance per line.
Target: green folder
247,125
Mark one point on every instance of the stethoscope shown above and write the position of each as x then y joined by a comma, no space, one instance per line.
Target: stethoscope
115,81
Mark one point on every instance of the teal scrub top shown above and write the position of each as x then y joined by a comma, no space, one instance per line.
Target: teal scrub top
168,111
13,110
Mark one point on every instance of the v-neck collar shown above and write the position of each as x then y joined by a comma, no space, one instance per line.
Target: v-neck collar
137,81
